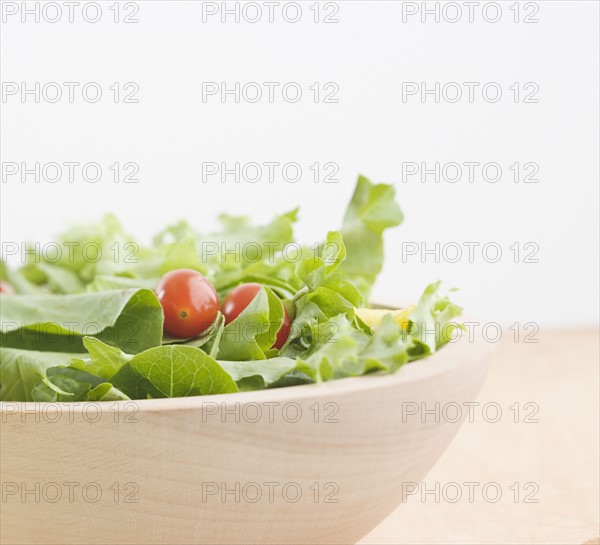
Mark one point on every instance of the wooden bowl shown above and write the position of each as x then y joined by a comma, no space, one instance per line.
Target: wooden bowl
316,464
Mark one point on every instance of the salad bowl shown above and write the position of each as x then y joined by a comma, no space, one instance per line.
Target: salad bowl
320,463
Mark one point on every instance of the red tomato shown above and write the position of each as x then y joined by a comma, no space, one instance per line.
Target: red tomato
239,298
189,301
6,288
284,330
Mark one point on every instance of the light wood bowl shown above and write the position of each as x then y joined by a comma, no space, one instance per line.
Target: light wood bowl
349,465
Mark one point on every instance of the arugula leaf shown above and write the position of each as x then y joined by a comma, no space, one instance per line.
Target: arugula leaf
130,319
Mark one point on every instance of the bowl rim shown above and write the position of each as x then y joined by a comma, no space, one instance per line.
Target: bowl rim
451,357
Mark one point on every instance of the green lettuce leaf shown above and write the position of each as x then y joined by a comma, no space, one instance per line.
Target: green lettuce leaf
105,306
57,279
252,334
326,294
129,319
340,350
110,283
260,374
172,371
105,361
21,370
372,210
18,281
433,320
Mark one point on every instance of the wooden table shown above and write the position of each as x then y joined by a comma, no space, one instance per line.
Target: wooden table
552,452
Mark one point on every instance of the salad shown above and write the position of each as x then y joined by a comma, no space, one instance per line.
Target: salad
102,318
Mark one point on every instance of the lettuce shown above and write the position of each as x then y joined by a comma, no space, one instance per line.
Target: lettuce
372,210
433,319
172,371
92,329
131,319
251,335
21,370
325,295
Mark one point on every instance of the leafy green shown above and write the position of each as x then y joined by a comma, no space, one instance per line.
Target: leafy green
105,360
65,384
253,332
339,350
433,319
260,374
18,281
325,295
172,371
130,319
58,279
20,370
86,325
372,210
110,283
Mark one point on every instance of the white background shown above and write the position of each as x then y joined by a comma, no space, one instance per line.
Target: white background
369,53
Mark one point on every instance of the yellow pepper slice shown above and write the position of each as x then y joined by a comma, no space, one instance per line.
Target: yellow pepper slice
373,316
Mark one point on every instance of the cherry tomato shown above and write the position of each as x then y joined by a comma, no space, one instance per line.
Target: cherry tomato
239,298
6,288
189,301
284,330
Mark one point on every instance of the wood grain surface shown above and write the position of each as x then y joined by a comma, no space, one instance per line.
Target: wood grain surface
533,439
559,454
201,470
